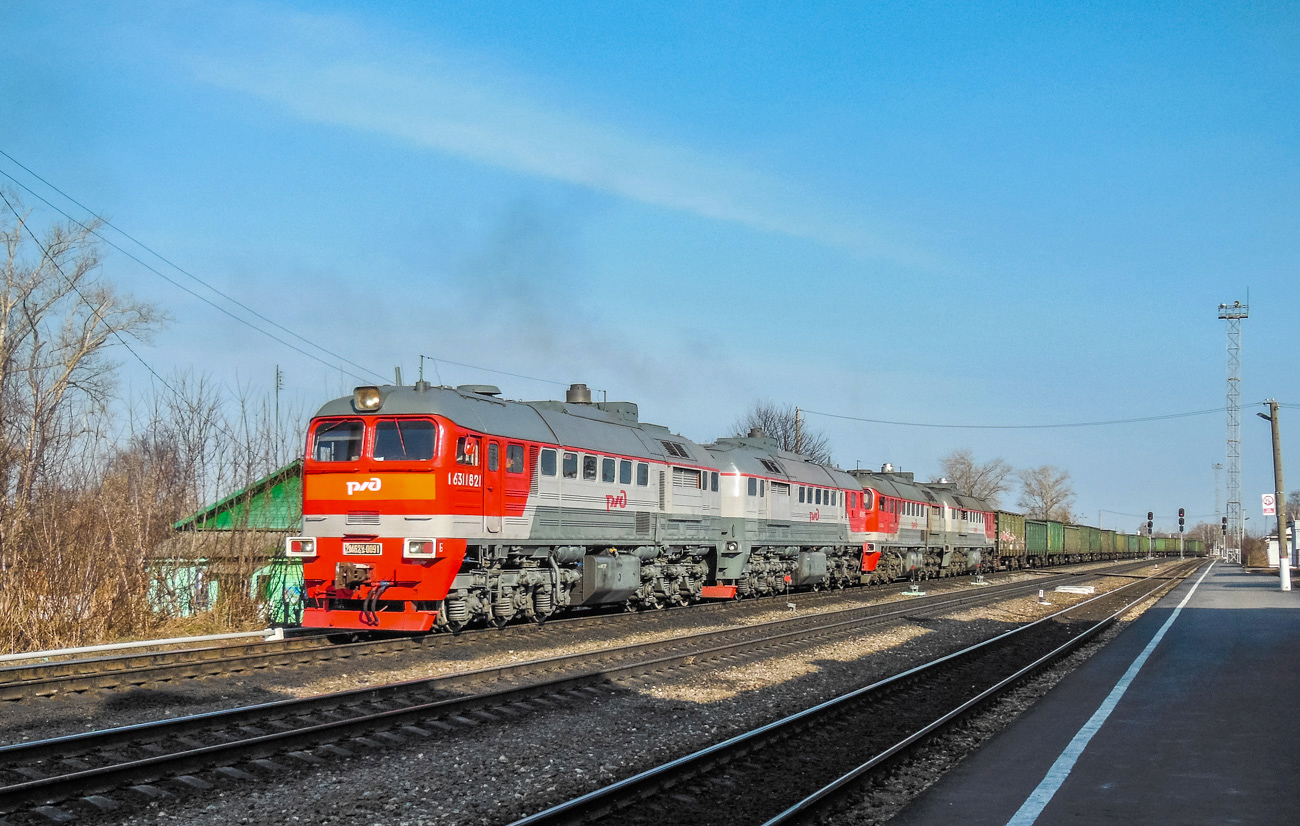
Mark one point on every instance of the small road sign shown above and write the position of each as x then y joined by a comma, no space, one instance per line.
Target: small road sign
1270,506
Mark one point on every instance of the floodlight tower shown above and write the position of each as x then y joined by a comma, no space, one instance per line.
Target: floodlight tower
1233,314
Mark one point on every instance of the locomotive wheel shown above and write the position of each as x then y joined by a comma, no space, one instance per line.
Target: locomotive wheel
499,622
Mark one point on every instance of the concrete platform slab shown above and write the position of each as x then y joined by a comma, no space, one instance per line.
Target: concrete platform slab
1202,731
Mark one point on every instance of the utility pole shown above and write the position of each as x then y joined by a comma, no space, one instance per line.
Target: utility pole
1279,502
798,431
279,384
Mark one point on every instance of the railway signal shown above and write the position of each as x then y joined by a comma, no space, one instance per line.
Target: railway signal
1150,541
1180,533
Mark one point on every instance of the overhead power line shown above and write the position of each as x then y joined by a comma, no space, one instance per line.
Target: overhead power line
184,272
1158,517
1101,423
45,252
438,361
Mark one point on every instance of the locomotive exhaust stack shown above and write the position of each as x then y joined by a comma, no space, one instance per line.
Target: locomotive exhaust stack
578,394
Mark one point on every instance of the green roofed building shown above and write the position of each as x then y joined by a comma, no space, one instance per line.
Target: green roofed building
273,503
238,539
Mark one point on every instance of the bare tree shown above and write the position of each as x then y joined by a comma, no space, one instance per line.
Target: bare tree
57,324
987,481
1207,532
1293,505
779,422
91,488
1046,493
60,577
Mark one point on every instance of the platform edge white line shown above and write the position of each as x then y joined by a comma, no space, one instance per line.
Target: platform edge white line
1038,799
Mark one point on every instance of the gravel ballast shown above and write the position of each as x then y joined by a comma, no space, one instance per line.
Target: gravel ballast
42,718
496,772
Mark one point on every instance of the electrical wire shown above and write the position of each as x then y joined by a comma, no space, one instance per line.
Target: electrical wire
45,252
1021,426
208,286
180,286
503,373
1157,517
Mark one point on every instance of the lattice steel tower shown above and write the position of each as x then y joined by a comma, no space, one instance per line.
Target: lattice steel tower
1233,313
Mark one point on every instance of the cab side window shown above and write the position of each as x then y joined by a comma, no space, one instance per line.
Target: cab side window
570,466
467,451
515,458
642,474
548,462
589,467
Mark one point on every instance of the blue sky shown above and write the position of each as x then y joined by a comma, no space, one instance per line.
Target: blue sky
958,213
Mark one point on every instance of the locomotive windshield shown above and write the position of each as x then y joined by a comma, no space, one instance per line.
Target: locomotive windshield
398,440
338,441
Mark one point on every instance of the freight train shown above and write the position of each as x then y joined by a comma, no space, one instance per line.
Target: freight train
431,508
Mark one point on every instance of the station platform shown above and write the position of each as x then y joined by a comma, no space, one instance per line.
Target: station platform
1202,731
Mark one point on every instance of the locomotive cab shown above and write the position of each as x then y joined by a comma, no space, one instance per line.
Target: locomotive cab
382,489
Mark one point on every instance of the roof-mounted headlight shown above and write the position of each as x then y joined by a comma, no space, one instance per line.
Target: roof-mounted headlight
366,398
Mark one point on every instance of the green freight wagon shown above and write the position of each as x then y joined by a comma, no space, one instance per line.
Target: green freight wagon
1044,542
1011,540
1121,545
1094,541
1055,540
1074,543
1035,543
1108,543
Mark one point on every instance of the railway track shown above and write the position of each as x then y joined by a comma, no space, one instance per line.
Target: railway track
26,682
191,752
827,751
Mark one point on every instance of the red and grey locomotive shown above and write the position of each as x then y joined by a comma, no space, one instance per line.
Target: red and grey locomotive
430,508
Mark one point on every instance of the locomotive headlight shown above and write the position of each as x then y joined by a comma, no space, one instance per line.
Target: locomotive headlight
731,546
366,398
421,548
300,546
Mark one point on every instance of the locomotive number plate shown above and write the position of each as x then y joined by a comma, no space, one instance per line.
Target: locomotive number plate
366,548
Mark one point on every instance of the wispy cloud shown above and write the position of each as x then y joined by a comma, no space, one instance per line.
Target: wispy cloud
335,71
